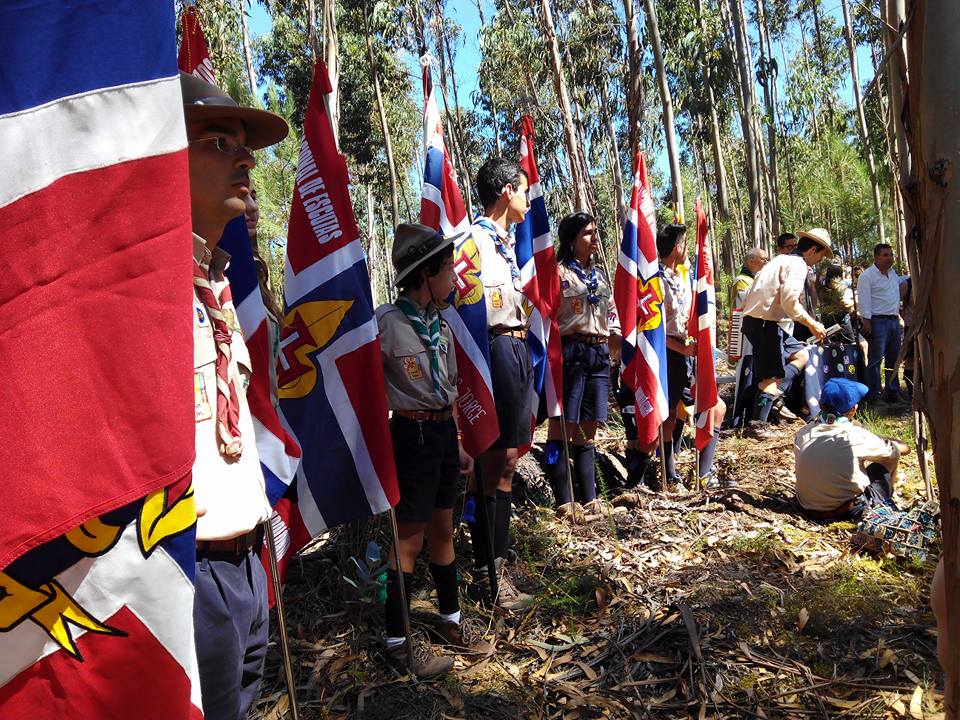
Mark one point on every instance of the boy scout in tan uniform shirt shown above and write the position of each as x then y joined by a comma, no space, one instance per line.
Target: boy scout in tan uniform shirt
406,365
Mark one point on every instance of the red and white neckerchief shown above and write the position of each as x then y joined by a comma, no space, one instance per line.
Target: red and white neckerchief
228,403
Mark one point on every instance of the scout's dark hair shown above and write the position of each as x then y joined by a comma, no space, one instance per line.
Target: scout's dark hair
783,238
494,174
668,238
805,244
879,247
414,279
567,232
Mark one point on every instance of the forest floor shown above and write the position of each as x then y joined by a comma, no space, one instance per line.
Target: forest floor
726,604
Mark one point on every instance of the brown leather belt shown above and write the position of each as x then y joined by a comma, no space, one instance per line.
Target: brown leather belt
425,415
588,339
519,334
240,545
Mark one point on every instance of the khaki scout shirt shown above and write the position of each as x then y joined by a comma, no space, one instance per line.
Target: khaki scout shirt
232,491
677,299
503,294
831,460
777,289
406,363
577,314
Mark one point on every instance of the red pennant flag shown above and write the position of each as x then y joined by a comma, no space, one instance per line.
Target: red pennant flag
703,328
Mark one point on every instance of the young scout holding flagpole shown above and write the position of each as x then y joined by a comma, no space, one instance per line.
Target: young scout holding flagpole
420,370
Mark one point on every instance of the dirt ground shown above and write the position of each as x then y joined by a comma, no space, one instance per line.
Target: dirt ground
727,604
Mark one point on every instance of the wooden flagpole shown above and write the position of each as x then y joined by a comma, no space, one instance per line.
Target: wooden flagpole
281,620
401,584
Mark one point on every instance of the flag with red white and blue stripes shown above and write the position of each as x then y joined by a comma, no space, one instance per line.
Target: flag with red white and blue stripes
638,294
330,375
541,282
98,540
442,208
703,329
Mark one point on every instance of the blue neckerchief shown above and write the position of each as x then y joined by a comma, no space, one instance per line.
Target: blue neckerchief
491,227
592,281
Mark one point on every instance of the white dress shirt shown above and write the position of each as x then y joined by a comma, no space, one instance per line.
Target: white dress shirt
878,294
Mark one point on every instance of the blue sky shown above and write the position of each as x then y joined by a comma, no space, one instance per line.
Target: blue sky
468,57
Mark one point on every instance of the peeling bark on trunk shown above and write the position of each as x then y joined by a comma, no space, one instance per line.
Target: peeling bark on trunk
634,82
331,46
933,105
247,55
768,99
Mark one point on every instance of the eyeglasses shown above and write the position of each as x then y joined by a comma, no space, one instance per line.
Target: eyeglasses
227,146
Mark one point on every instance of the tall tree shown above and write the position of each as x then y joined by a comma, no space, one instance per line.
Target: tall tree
634,76
669,129
861,118
766,72
247,55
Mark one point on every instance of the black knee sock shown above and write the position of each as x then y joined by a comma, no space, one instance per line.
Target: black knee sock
557,472
393,610
501,529
790,373
705,465
479,534
764,404
583,457
637,464
445,580
677,438
669,459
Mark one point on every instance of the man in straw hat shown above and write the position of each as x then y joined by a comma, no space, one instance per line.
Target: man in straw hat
778,358
420,369
230,605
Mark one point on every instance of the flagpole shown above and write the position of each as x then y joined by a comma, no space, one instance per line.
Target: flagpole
566,450
663,463
281,619
484,521
918,423
402,585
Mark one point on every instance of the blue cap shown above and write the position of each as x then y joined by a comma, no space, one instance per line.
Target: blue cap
841,394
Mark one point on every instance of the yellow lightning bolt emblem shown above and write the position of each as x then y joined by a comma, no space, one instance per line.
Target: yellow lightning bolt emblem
50,607
307,327
159,520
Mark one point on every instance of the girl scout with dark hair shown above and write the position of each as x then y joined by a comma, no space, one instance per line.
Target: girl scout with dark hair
420,370
588,323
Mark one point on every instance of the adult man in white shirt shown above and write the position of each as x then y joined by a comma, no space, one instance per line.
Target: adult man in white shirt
878,302
778,358
230,606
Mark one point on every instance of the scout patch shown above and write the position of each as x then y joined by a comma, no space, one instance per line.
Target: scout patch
577,306
411,365
201,316
496,299
443,344
202,410
230,317
564,284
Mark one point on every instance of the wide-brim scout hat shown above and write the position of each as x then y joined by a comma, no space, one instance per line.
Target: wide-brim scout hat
413,244
203,101
820,236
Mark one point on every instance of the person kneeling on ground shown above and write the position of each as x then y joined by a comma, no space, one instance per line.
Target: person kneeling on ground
779,358
843,469
420,370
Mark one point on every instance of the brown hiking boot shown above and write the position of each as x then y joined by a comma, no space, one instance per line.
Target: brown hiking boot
509,598
465,638
570,510
425,666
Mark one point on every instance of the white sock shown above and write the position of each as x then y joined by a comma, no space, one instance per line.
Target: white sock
451,618
395,642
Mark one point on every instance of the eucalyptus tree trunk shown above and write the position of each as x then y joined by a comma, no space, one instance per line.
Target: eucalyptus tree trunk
893,14
247,56
766,64
932,191
613,154
560,85
490,99
862,119
634,83
822,58
720,173
781,124
757,235
669,131
387,143
331,48
738,215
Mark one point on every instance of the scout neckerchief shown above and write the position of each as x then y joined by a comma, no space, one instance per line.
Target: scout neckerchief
429,336
592,281
228,403
491,227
